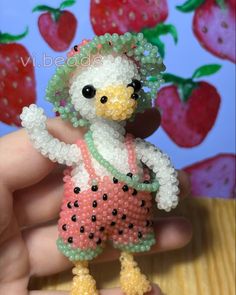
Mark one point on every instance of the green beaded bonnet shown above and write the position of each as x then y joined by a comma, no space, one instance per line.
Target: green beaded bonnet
134,46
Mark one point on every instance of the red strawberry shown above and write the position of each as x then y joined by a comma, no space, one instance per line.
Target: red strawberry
214,25
214,177
17,81
189,109
122,16
57,26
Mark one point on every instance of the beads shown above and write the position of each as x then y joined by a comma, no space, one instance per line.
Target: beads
89,218
83,282
131,45
108,76
115,103
131,154
118,175
132,280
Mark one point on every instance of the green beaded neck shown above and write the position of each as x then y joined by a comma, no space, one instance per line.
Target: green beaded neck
132,182
134,46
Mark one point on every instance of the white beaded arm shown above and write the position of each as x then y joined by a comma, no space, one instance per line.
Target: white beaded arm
34,120
160,164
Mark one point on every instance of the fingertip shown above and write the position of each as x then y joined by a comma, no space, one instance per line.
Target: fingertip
155,290
172,233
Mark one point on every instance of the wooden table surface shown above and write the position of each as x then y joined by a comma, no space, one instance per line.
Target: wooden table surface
205,267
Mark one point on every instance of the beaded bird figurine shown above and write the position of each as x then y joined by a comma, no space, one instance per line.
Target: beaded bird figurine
112,176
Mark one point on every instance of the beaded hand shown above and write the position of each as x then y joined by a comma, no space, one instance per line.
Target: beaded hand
112,175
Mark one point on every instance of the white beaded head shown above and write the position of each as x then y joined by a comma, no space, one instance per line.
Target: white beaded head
103,72
131,53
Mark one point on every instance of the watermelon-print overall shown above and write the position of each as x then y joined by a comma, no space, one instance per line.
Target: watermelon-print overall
109,210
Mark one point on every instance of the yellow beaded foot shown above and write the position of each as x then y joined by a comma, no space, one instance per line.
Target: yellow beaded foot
83,282
132,281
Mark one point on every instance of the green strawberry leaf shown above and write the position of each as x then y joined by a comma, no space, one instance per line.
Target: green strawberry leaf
186,89
44,8
55,12
7,38
221,3
206,70
164,29
185,86
153,35
190,5
170,78
67,3
160,45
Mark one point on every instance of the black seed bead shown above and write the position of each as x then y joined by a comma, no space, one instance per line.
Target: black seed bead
114,212
76,190
125,188
123,217
93,218
94,188
115,180
70,240
140,235
102,228
134,193
135,96
76,48
113,223
130,174
73,218
103,99
69,205
131,225
88,91
142,203
95,204
136,84
146,181
82,229
64,227
99,241
91,236
76,204
120,232
105,197
147,222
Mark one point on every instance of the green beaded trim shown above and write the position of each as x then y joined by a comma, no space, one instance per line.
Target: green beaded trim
144,245
77,254
133,45
133,182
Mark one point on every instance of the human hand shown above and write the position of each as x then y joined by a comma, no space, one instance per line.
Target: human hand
31,190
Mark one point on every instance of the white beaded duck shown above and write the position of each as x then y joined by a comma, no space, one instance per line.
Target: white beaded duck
108,187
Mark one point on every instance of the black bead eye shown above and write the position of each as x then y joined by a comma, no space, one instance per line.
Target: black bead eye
89,91
136,84
135,96
103,99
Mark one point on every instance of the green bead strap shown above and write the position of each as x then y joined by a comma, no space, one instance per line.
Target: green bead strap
133,182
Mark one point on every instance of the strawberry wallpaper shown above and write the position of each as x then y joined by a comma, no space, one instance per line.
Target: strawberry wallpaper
196,39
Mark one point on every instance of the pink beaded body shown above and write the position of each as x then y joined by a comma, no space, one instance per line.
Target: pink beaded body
110,210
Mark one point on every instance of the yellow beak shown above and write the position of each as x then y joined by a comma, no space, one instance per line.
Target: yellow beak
115,102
